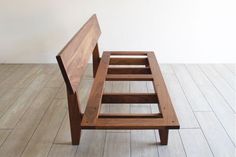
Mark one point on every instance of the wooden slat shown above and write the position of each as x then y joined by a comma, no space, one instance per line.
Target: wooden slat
75,55
144,70
128,61
129,53
121,115
129,77
131,123
93,106
166,107
129,98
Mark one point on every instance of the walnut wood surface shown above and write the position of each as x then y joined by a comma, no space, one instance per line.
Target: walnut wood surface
132,66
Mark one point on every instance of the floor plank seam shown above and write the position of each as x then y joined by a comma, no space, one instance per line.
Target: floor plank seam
5,139
212,109
194,114
32,99
226,101
38,123
56,135
185,95
229,69
182,143
223,78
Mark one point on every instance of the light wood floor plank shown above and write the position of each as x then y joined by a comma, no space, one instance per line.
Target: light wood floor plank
3,135
231,67
223,112
41,128
62,92
92,143
192,92
221,85
8,99
117,145
229,77
218,140
181,105
23,131
195,143
19,78
56,80
42,139
63,136
59,150
22,103
166,69
22,77
6,70
174,147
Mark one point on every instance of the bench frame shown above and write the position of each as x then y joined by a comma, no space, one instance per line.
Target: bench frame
73,60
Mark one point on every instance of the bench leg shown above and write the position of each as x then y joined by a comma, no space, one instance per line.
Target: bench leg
75,118
96,60
163,136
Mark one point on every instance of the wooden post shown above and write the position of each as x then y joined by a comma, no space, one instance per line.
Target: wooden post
75,117
164,136
96,60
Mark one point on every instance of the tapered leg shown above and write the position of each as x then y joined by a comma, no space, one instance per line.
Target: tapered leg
75,118
164,136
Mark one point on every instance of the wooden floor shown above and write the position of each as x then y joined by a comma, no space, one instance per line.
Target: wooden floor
34,118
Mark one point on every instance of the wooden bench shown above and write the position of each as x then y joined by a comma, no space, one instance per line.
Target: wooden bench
73,60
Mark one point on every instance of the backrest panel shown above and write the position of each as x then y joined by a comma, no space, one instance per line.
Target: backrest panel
74,57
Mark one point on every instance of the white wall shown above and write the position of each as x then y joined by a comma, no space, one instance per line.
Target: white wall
180,31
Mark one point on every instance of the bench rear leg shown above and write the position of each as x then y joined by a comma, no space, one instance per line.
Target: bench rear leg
96,60
164,136
75,117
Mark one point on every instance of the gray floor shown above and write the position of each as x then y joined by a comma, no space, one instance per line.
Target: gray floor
34,117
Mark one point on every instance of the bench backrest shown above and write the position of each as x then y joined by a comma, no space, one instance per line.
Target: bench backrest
74,57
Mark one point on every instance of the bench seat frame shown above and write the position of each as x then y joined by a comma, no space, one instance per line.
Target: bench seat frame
112,66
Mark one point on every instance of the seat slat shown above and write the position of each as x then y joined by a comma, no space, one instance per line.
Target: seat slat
133,70
128,61
138,115
129,98
129,53
131,123
129,77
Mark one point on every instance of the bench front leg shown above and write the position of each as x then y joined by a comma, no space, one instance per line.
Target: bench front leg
164,136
